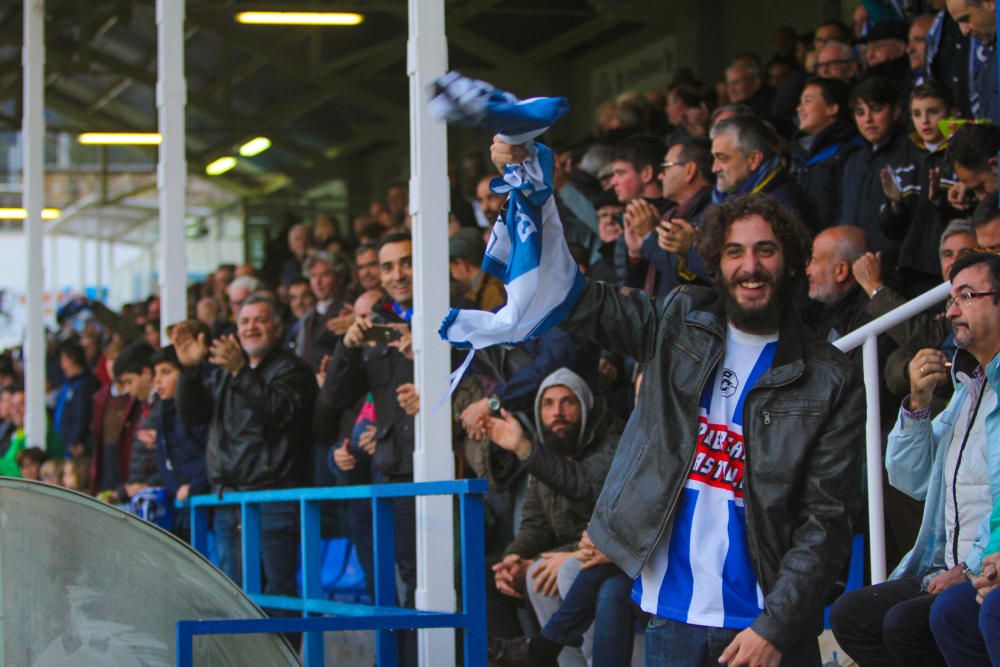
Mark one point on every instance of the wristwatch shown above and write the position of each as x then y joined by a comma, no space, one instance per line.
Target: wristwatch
493,404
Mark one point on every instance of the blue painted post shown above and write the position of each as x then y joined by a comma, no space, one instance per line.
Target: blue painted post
185,643
312,585
473,579
199,529
384,529
250,539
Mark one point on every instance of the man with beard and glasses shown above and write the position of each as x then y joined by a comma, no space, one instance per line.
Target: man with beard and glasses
952,463
732,490
567,457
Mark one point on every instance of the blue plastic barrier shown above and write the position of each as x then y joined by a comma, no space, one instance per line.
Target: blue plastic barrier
385,615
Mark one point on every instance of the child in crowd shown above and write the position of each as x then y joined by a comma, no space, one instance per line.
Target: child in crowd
52,472
917,217
29,462
180,447
76,475
134,371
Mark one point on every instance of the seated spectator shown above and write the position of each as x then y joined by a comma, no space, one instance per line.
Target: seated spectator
13,443
977,19
885,52
76,475
301,301
687,112
876,108
75,401
973,152
480,289
745,85
951,464
567,458
988,232
917,217
837,60
667,258
29,462
180,448
826,138
237,291
51,472
745,162
966,632
837,301
928,329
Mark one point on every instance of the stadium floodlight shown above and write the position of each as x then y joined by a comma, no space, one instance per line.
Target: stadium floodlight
255,146
300,18
220,166
121,138
21,214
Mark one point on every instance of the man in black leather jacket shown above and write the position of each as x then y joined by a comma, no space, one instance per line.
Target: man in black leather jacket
791,448
257,399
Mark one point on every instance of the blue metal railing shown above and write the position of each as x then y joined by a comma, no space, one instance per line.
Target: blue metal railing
385,615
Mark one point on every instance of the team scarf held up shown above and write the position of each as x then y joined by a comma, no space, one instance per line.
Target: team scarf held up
527,249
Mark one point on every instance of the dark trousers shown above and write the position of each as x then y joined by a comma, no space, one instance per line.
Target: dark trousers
674,644
598,596
279,550
887,624
960,626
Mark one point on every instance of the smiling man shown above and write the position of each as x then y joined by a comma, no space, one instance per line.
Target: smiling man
730,494
257,400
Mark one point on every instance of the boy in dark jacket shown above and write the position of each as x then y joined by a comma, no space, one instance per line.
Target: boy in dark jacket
917,218
75,402
180,447
877,112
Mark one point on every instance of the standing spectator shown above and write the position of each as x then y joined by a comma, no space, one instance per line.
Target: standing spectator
916,46
973,153
366,266
876,108
465,254
885,52
301,302
951,58
917,218
256,399
14,398
825,140
180,448
745,85
299,242
977,18
74,403
837,60
116,420
134,371
838,302
29,463
322,328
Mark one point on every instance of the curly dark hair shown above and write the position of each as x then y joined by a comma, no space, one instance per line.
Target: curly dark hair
795,240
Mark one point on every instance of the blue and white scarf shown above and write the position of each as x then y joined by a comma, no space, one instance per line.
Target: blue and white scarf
527,249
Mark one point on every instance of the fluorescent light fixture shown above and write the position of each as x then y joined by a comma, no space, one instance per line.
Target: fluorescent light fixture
21,214
220,166
299,18
255,146
126,138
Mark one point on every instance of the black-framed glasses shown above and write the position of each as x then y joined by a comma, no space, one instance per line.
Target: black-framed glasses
668,164
965,298
989,249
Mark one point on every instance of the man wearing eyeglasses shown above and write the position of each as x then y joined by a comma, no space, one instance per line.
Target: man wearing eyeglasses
838,61
952,463
988,232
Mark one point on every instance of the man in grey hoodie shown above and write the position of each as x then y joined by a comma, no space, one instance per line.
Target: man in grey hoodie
567,459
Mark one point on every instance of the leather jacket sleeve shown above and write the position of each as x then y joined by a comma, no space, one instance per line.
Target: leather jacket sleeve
578,480
821,542
602,308
194,400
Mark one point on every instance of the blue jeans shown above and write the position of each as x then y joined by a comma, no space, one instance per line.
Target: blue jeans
599,595
671,643
959,625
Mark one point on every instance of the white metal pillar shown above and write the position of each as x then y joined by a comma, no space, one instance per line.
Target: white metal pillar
33,131
99,269
171,97
81,280
427,59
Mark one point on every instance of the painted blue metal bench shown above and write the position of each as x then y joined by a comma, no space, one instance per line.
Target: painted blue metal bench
385,615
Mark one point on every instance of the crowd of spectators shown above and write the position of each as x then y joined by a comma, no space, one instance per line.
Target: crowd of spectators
300,372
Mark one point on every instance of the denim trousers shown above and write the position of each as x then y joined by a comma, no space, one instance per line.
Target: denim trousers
599,596
671,643
966,633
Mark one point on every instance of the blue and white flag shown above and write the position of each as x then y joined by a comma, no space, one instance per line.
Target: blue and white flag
527,249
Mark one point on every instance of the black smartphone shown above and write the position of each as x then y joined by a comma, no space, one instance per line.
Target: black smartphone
379,333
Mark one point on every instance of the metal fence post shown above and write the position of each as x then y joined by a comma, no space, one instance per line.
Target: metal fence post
384,530
473,580
873,446
250,541
312,585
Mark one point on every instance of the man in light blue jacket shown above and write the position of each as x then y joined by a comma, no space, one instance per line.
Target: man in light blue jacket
952,463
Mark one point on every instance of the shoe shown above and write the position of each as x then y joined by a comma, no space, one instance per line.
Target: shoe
514,652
